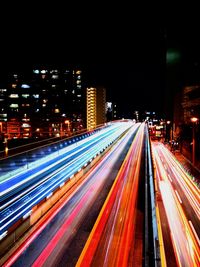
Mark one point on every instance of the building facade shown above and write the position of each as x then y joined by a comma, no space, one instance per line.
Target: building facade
43,102
190,103
95,106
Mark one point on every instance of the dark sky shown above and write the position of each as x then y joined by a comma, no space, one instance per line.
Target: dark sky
115,47
127,61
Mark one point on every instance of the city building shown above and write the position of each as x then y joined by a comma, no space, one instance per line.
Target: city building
42,102
190,103
95,106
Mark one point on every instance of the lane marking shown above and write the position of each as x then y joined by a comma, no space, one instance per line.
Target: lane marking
178,196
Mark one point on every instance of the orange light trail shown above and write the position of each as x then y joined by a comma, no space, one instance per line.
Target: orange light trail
184,239
109,243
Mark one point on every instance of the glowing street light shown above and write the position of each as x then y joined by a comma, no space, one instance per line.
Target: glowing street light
167,131
193,120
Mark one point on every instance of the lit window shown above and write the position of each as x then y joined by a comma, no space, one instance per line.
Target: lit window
57,110
14,96
25,95
78,95
54,71
54,76
3,90
73,92
25,105
14,85
25,119
79,86
78,82
53,85
78,72
44,105
4,115
36,96
45,100
43,71
25,86
14,106
25,125
36,71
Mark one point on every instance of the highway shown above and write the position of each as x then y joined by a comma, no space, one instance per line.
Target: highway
181,200
111,242
47,179
47,244
46,163
95,222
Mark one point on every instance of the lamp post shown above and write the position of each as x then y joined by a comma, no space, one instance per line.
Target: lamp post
193,120
168,131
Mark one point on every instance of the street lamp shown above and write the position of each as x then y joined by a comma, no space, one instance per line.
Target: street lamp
167,131
193,120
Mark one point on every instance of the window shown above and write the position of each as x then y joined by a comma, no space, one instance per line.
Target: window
25,105
43,71
36,95
36,71
25,95
54,76
14,106
25,86
14,96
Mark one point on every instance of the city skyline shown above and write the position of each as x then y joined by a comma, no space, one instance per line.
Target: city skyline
128,60
131,87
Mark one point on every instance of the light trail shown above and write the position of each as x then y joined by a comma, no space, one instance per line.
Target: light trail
109,243
184,238
22,206
81,199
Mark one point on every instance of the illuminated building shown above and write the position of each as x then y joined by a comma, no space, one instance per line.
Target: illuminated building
37,103
190,102
95,106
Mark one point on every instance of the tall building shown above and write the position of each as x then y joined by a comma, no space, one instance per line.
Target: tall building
95,106
190,102
42,102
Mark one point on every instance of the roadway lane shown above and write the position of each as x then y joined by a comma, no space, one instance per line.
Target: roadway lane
181,202
111,240
31,173
22,206
49,243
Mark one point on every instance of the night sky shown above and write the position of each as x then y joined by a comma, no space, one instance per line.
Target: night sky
124,54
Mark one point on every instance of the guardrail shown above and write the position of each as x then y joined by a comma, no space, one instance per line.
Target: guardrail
151,228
